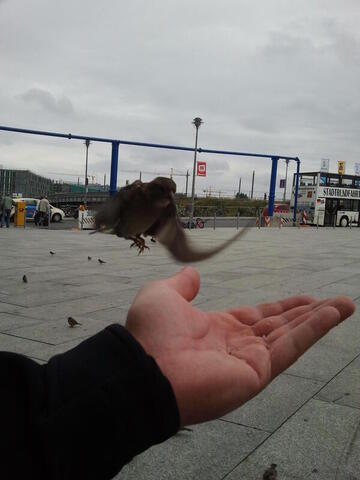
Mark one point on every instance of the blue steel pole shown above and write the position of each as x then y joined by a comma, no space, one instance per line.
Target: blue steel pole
274,164
71,136
114,167
296,188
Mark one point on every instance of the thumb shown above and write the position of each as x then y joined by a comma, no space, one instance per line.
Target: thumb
186,283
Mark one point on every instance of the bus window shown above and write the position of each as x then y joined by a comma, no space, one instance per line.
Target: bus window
347,182
344,205
355,207
322,180
333,181
308,180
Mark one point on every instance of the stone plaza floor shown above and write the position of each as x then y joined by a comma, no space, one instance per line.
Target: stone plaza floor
307,420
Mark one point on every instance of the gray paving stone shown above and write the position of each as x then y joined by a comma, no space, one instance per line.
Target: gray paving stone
212,292
46,294
321,362
313,444
10,321
58,331
81,306
209,452
338,288
247,282
282,398
109,315
82,277
42,352
345,336
9,308
9,343
344,389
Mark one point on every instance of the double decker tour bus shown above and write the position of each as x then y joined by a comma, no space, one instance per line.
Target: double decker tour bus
328,198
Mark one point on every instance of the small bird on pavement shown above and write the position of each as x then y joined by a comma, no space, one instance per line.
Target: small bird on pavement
101,261
25,280
52,253
89,258
72,322
270,473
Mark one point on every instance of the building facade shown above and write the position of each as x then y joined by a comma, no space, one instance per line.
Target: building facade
24,182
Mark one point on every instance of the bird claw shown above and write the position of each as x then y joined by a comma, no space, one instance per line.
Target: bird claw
141,249
140,244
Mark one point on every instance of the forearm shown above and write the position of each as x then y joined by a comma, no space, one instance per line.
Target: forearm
90,410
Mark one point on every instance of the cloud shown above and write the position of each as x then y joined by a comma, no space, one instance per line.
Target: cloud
278,77
48,101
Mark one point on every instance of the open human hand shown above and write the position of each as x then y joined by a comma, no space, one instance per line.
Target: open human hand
216,361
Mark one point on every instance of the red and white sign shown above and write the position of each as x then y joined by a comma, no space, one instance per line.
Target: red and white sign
201,169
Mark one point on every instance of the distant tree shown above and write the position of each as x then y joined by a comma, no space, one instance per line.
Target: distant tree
241,195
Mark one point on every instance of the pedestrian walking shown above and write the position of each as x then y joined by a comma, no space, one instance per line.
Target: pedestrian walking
5,208
44,210
333,212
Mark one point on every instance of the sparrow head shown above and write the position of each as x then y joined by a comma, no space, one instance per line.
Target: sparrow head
161,190
167,184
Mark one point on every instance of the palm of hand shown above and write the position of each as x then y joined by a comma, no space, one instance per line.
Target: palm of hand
216,361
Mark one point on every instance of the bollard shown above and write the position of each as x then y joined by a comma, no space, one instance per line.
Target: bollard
214,220
237,221
281,221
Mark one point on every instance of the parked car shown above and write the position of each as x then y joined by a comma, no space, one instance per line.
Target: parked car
278,209
57,215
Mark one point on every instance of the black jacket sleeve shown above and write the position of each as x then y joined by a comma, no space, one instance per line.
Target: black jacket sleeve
85,413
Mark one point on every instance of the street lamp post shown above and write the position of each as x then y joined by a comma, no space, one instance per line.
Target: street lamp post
87,143
197,122
252,184
286,174
239,187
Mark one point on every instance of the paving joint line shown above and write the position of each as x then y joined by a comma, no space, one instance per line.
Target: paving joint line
243,425
288,418
26,338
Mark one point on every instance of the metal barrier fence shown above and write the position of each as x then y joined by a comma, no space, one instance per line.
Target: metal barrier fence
86,220
238,222
222,211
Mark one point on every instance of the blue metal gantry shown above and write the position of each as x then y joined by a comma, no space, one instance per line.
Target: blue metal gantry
115,143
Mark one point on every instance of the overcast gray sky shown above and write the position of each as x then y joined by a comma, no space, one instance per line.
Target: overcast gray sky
270,76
